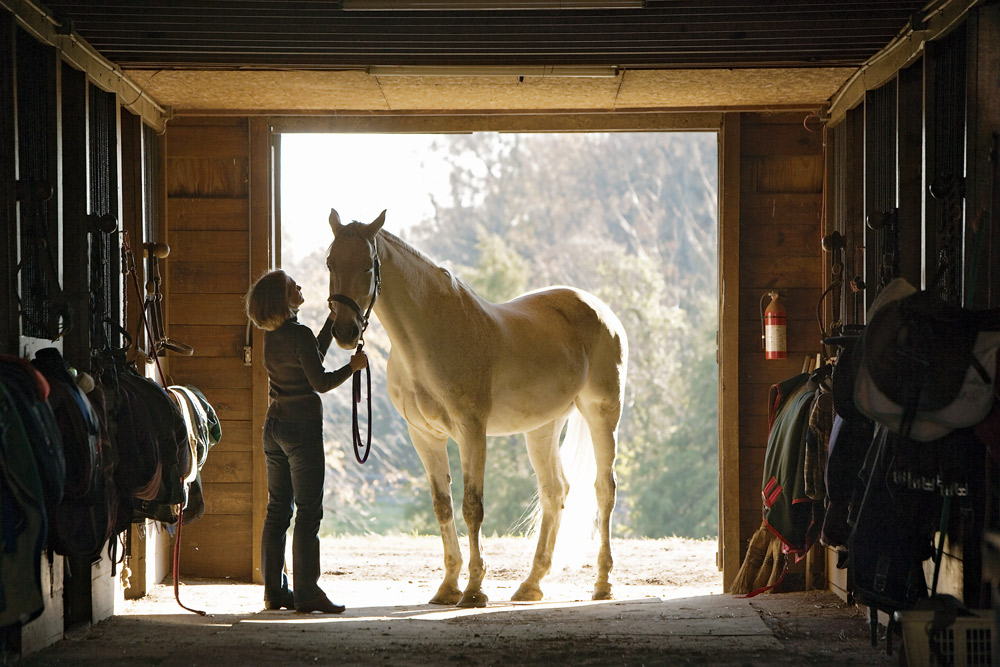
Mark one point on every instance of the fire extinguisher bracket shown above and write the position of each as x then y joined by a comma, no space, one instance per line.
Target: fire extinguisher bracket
773,328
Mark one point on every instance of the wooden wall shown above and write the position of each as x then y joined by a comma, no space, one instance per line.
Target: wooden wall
217,178
207,175
780,201
935,117
983,150
9,325
219,230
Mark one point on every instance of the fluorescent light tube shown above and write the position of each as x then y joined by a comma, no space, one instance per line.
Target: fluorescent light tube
486,5
487,70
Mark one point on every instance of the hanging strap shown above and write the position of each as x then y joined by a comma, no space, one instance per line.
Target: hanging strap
177,564
248,345
126,249
764,589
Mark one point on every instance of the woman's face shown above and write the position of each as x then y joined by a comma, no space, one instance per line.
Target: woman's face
295,298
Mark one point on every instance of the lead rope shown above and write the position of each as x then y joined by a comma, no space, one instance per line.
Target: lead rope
354,412
356,393
368,372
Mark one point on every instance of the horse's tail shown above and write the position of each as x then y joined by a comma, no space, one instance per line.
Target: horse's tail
579,517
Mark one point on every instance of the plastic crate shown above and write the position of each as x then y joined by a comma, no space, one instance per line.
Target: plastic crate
966,643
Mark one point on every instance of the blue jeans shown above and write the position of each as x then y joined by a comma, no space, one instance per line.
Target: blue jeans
296,465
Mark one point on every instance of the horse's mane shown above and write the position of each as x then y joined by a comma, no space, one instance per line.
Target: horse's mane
353,229
456,282
404,246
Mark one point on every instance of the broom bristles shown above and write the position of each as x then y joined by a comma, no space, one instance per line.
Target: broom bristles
779,568
764,573
752,562
775,559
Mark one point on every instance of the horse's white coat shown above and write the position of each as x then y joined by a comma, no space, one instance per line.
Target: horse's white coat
463,368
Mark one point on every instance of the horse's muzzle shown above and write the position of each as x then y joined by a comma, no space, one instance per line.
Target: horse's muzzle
347,337
347,330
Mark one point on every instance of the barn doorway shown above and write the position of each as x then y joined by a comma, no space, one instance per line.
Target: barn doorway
630,216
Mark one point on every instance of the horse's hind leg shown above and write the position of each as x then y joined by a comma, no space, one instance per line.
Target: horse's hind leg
543,451
433,453
602,419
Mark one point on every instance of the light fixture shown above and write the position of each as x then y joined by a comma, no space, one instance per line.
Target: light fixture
485,5
490,70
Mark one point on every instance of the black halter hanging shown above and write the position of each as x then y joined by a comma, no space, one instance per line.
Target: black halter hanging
353,305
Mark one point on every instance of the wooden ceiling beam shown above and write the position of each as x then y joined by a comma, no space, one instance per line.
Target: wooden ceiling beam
901,52
81,55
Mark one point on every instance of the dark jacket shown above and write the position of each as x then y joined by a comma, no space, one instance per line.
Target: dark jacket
293,358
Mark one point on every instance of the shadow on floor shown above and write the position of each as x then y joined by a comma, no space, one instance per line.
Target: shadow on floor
771,629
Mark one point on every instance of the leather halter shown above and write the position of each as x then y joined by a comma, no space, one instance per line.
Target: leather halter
353,305
356,389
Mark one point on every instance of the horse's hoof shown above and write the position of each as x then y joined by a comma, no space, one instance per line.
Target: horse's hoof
602,592
475,600
527,593
447,595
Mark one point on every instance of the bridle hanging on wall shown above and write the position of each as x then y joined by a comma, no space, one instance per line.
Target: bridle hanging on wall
950,191
885,224
833,243
45,311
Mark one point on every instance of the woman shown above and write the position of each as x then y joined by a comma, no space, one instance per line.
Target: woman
293,440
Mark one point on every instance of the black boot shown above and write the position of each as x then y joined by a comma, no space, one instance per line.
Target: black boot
285,600
321,604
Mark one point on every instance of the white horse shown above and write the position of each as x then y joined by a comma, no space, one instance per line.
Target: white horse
462,368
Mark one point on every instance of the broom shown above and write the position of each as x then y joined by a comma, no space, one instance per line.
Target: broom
774,570
752,562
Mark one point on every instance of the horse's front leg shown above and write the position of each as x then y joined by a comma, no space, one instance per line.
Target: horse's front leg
433,453
472,448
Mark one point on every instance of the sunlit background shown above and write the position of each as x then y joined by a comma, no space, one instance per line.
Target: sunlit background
631,217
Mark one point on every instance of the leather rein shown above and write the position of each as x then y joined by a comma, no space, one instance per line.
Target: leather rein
356,430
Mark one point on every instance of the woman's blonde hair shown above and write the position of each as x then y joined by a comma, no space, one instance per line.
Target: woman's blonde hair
267,300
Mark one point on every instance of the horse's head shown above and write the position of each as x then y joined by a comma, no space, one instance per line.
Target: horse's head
354,277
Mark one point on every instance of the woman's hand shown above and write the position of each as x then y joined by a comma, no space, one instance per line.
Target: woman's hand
358,361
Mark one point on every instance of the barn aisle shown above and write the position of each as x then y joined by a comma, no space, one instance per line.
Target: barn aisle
773,629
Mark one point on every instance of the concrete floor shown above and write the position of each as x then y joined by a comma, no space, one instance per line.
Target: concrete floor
770,629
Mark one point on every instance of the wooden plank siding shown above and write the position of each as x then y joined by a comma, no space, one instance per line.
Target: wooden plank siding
781,200
207,273
984,141
222,235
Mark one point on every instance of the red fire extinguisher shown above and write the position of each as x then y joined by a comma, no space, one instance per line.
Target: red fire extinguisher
775,338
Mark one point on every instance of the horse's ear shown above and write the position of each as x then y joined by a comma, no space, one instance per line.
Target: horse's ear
335,221
371,229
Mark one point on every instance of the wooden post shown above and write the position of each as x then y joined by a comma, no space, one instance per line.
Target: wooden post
9,327
263,257
730,543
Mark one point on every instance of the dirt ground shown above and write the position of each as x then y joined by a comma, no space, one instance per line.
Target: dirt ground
669,609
